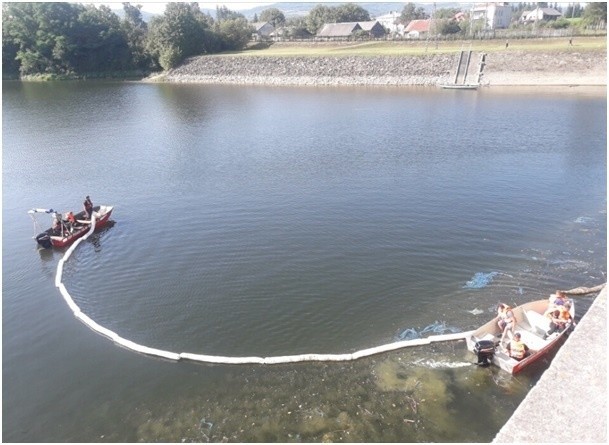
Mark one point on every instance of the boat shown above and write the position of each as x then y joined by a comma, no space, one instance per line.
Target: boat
454,86
532,325
68,226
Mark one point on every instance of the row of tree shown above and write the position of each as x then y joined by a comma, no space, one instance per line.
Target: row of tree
61,38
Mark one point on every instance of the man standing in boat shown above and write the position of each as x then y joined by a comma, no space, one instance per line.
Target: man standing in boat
88,207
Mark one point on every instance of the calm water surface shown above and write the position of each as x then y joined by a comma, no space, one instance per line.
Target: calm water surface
273,221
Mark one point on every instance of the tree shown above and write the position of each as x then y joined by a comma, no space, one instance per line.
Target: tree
446,27
102,44
136,30
574,10
350,12
595,12
38,35
445,13
297,28
182,31
223,13
63,38
412,12
273,16
318,17
235,33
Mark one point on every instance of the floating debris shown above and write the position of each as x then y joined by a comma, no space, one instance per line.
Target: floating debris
480,280
435,328
205,427
584,220
408,334
476,311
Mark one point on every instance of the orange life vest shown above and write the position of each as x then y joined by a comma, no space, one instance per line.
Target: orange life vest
564,314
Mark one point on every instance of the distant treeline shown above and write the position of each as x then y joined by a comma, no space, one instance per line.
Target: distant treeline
73,40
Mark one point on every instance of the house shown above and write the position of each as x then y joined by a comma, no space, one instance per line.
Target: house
262,30
417,29
492,15
338,30
373,27
391,21
538,14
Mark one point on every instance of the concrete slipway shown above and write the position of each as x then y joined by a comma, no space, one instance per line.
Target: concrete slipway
569,402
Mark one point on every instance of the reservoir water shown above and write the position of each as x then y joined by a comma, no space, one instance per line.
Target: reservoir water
260,221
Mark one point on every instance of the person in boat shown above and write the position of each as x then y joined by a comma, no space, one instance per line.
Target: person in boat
88,205
558,299
506,321
559,319
70,221
57,226
516,348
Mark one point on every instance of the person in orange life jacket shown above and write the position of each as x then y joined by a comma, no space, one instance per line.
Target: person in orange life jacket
69,222
559,319
88,205
556,301
516,348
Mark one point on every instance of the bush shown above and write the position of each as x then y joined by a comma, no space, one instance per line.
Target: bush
170,57
560,23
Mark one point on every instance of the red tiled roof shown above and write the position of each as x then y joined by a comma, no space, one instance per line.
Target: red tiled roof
418,25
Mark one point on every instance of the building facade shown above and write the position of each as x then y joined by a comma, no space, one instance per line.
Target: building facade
492,15
390,21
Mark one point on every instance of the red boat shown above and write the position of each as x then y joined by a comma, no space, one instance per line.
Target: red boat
532,325
68,227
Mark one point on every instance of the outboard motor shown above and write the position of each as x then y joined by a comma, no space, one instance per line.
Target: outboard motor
485,349
44,240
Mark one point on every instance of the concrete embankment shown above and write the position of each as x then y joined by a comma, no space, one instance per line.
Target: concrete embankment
569,402
502,68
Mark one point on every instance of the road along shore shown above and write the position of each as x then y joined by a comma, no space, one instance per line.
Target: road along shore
502,68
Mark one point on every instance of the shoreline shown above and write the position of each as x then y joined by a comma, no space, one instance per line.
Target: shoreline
518,68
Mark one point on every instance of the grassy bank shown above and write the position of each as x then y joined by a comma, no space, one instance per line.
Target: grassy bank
413,48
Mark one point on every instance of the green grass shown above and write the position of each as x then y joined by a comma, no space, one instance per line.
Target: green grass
412,48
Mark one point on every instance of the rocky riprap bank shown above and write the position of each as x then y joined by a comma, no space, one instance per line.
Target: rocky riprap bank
340,70
502,68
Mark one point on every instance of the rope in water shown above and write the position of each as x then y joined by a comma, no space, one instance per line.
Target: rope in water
128,344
